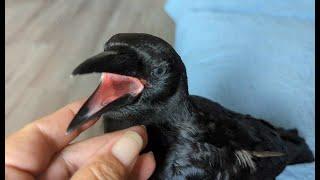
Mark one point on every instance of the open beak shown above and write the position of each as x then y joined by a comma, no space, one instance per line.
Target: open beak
119,85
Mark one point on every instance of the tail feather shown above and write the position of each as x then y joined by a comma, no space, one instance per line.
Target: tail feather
298,150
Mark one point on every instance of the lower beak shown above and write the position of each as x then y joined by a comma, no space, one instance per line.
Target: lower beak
117,87
114,91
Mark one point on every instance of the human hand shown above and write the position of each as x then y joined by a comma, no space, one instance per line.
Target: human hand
42,150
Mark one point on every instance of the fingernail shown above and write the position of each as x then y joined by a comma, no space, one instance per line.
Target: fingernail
143,126
127,148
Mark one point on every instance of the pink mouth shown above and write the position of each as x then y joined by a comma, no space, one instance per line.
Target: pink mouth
112,87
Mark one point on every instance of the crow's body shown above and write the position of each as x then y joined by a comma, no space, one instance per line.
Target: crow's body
192,137
203,140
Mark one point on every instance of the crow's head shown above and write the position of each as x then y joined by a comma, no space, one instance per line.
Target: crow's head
135,68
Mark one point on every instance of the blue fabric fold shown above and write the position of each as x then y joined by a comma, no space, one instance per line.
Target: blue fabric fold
254,57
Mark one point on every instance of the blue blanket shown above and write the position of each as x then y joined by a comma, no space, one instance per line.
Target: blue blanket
254,57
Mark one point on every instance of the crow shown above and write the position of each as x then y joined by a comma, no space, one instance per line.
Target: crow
144,82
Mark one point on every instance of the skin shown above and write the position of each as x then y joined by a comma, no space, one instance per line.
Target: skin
42,150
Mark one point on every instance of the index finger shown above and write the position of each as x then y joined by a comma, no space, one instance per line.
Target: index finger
32,148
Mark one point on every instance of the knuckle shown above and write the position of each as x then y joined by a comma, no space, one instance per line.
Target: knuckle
107,170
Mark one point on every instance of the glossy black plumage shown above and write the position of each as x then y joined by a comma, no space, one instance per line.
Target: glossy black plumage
193,137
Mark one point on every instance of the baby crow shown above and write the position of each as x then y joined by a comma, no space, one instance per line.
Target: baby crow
144,82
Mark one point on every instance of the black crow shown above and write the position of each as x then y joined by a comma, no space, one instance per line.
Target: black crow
144,81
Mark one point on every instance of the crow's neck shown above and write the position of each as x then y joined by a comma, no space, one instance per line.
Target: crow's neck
176,113
176,121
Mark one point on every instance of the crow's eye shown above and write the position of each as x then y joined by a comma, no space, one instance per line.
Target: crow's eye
159,71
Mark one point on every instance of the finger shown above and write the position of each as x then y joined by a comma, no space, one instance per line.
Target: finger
37,142
102,168
113,162
12,173
144,167
78,154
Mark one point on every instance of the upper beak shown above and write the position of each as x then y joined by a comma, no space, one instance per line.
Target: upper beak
119,84
111,61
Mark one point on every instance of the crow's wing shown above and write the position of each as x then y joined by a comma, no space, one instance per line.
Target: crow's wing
244,136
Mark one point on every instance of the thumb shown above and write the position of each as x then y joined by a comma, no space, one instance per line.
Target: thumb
116,163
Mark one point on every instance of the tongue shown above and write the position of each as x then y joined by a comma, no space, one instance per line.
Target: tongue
112,87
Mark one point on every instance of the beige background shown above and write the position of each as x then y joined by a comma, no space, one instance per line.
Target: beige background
45,40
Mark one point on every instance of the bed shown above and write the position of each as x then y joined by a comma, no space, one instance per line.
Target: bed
254,57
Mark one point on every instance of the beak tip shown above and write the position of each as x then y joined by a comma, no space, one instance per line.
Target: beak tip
76,123
75,72
69,130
